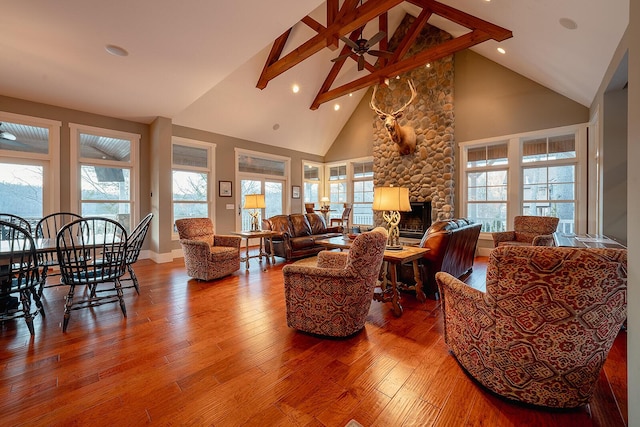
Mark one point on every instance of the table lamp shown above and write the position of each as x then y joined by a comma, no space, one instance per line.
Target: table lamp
392,200
325,203
255,202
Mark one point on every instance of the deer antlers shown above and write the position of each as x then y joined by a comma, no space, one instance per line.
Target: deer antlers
399,110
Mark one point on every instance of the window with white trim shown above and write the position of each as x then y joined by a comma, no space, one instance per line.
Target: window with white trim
362,186
337,189
311,179
262,173
534,173
29,171
192,179
104,177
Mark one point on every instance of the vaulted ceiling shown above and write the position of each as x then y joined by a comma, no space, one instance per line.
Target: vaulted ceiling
202,65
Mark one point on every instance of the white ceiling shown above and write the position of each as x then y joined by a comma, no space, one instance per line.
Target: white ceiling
199,65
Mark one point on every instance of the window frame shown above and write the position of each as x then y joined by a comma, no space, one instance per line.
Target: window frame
210,171
352,180
515,170
263,177
133,164
50,162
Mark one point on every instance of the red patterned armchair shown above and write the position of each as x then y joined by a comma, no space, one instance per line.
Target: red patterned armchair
528,231
333,298
207,256
542,331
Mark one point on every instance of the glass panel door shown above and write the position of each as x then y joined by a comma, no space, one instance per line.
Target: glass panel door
274,199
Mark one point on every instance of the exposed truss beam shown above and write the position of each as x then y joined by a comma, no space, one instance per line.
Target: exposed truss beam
346,22
352,18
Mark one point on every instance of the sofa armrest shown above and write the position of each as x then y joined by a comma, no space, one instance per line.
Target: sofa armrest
226,240
328,259
503,236
543,240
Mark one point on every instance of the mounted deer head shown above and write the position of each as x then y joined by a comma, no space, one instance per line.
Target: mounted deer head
404,136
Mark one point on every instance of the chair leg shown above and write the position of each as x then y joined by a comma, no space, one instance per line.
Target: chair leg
67,308
38,301
43,279
118,286
25,297
133,278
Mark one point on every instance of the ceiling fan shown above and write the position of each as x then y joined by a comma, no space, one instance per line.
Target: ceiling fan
6,135
362,46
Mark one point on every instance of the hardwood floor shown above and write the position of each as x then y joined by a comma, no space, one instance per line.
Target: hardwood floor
220,353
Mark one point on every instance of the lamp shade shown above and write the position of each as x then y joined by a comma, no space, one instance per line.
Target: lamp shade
391,199
325,199
254,201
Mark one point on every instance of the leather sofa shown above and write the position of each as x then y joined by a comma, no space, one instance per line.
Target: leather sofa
452,247
297,234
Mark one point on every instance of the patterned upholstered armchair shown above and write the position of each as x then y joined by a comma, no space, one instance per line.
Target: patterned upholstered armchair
528,231
542,331
207,256
333,297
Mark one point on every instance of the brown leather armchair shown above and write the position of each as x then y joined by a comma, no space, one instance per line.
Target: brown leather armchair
528,230
452,248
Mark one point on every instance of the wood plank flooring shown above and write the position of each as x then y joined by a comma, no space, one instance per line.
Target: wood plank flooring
221,354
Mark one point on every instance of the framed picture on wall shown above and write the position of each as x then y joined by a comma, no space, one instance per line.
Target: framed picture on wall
225,188
295,191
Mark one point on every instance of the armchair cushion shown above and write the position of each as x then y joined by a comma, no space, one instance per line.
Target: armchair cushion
333,297
542,331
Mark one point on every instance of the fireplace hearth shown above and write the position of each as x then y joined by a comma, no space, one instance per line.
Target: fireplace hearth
413,224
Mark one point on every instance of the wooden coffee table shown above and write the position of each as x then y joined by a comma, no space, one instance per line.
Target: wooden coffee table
392,258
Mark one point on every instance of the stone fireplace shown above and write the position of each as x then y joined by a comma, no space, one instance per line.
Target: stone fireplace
429,171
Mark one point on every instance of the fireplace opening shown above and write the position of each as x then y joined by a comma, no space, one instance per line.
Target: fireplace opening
413,224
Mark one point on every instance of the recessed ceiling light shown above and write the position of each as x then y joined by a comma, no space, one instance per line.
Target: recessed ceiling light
501,50
116,50
569,24
295,88
428,65
336,107
350,93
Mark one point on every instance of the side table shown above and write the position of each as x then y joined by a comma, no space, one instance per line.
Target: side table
262,235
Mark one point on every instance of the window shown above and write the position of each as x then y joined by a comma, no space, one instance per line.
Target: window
105,180
538,173
260,173
311,182
192,179
487,186
337,187
549,188
362,181
29,172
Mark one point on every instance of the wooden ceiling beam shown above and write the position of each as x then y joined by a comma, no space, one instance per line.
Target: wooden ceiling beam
421,58
459,17
347,22
411,36
276,49
332,42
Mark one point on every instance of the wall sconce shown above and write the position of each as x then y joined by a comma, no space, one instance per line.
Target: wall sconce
392,200
255,202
